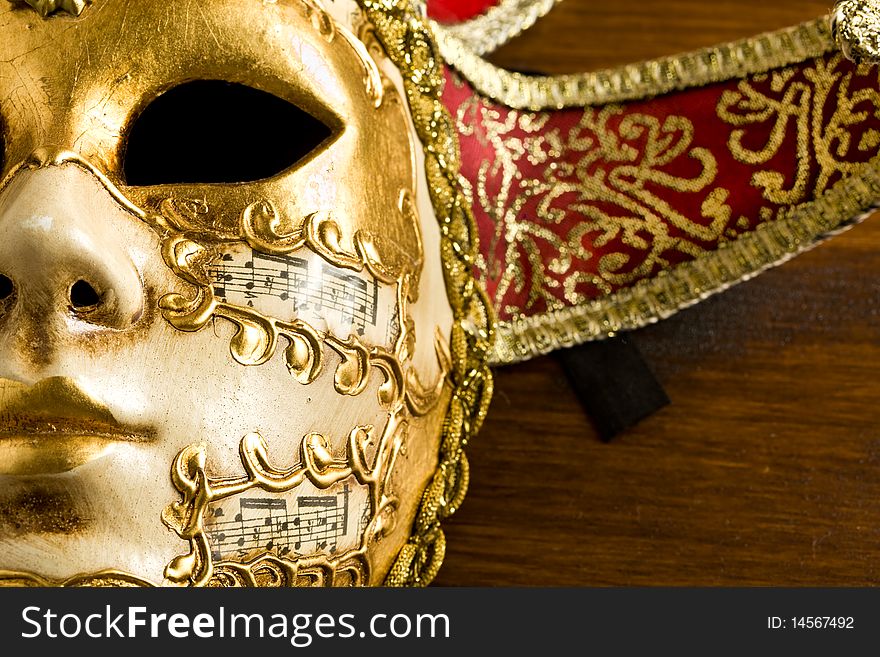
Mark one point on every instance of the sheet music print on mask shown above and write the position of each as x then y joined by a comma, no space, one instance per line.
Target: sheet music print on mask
319,523
306,287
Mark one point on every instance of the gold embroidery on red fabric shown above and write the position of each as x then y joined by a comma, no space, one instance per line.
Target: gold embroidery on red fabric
815,115
824,112
614,164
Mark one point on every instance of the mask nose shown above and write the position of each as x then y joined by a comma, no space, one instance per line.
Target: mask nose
62,262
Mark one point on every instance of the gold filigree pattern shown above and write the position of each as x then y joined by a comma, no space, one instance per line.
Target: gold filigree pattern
319,466
797,113
796,231
257,336
266,230
617,173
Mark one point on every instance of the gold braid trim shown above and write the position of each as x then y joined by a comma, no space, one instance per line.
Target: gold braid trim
504,21
634,81
797,230
410,45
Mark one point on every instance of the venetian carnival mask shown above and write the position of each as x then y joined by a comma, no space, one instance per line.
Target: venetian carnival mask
226,343
244,245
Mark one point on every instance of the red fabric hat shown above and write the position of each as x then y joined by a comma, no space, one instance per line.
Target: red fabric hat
609,200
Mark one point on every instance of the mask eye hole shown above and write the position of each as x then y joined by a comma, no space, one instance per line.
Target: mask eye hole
211,131
6,287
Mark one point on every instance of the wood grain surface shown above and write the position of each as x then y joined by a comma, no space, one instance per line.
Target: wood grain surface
765,468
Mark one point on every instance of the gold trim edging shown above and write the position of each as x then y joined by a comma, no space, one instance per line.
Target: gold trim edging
635,81
488,32
410,45
798,230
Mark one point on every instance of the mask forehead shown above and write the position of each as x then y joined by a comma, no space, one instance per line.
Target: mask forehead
77,84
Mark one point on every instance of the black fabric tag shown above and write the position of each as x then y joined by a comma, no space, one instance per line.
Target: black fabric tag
613,383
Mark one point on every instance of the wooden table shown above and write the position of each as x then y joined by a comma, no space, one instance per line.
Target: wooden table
764,470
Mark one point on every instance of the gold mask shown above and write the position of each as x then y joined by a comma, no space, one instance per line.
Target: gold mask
219,362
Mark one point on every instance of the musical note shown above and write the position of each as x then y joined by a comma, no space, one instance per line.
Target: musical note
318,524
351,299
